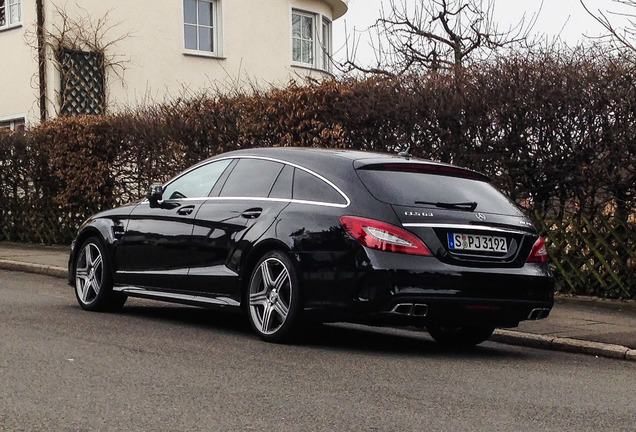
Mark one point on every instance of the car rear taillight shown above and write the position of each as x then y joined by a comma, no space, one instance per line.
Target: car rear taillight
383,236
538,254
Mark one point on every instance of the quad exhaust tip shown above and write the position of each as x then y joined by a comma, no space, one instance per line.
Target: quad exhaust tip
538,313
410,309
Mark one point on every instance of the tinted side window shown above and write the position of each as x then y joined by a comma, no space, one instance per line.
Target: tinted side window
197,183
308,187
283,186
251,178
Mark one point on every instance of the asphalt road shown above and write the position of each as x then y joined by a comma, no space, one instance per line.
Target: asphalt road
159,367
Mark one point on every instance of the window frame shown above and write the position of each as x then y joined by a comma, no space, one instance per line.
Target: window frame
13,123
312,16
8,4
326,44
214,193
216,26
322,48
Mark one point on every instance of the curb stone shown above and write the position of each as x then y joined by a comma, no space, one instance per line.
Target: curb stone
59,272
509,337
563,344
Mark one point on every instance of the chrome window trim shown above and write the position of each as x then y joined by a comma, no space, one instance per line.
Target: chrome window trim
325,204
282,200
463,227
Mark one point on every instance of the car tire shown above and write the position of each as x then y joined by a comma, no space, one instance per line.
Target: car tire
273,298
459,336
93,278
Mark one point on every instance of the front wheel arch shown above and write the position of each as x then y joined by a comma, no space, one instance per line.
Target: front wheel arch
85,234
93,281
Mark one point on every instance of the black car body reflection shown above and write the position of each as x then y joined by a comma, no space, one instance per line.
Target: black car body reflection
295,236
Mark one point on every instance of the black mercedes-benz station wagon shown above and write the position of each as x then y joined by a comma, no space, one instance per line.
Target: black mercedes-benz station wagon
293,236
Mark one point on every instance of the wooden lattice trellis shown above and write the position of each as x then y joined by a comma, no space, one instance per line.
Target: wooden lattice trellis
593,255
83,82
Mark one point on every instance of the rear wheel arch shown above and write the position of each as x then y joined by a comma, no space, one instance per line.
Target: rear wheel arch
274,300
254,255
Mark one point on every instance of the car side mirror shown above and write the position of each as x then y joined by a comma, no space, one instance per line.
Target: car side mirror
155,195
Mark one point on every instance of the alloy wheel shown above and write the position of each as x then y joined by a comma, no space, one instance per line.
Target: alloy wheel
89,273
270,296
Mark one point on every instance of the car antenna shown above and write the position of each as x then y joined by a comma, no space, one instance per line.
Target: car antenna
406,154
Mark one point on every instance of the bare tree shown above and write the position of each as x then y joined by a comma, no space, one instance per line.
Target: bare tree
83,33
619,36
435,35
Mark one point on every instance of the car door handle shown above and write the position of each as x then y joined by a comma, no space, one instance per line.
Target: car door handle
184,211
252,213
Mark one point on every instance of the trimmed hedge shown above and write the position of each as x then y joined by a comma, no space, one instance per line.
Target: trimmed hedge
557,132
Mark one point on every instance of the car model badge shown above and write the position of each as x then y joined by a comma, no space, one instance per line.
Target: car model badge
421,214
480,216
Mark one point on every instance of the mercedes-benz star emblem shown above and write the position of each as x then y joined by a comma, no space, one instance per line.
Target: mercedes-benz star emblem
480,216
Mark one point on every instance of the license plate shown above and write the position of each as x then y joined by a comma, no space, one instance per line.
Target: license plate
476,242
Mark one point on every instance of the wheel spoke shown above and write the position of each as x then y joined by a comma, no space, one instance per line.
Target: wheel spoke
267,318
88,254
95,285
281,280
85,288
266,275
98,262
259,298
81,273
282,310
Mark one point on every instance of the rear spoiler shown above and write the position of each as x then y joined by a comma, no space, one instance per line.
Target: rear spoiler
422,168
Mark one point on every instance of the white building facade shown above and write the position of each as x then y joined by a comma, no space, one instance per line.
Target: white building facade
98,56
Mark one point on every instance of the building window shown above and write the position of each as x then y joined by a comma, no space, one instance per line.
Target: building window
311,45
303,38
10,13
14,124
201,25
325,45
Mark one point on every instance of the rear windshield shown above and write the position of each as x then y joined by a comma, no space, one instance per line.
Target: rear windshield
413,186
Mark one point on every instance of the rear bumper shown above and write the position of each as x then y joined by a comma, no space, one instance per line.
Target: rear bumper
501,297
459,311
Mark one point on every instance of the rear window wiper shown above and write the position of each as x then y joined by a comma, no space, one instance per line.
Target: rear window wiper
470,206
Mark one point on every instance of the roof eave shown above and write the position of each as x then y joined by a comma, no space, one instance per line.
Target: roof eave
339,7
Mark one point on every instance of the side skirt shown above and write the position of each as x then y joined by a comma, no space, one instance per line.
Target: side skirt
182,298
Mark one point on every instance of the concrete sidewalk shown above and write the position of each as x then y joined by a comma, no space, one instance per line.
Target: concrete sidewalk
48,260
584,325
